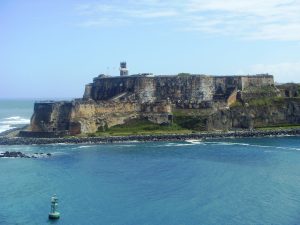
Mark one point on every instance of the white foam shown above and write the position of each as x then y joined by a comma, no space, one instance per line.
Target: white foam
259,146
15,120
177,144
194,141
288,148
228,143
11,122
8,157
85,146
5,128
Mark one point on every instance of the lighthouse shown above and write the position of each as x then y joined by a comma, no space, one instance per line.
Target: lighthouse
123,69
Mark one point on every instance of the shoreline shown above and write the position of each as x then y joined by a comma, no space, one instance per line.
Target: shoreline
146,138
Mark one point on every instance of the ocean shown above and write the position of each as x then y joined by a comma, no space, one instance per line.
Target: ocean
253,181
15,113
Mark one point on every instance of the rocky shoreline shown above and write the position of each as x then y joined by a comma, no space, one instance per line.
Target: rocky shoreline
145,138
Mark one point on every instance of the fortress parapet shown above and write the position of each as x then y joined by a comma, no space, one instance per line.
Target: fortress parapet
176,88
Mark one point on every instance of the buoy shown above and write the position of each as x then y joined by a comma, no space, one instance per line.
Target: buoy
54,215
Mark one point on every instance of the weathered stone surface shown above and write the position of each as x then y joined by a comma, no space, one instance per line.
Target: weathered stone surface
289,90
51,116
193,88
90,116
110,101
284,112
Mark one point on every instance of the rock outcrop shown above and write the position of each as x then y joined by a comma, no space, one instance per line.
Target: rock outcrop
217,103
273,112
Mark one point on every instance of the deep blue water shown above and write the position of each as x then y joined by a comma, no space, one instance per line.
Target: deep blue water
230,181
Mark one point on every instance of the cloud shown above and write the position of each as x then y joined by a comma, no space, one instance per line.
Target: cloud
117,13
103,22
283,72
255,19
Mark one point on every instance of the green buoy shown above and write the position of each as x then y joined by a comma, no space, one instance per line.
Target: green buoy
54,215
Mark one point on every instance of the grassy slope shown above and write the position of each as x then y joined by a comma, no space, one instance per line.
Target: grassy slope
279,127
142,127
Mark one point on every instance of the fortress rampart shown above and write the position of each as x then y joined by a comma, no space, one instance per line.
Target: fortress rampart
194,88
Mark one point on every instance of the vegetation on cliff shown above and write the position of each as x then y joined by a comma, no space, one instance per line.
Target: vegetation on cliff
268,112
184,122
141,127
267,101
191,119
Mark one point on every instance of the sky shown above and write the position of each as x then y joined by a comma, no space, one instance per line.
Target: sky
51,49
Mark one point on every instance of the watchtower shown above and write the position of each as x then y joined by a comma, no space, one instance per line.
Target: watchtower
123,69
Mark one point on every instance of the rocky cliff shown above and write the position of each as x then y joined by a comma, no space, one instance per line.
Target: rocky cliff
258,114
204,102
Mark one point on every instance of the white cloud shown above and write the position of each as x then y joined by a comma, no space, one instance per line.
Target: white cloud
103,22
141,9
152,14
255,19
283,72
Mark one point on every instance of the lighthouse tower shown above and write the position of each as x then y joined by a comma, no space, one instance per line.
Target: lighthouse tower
123,69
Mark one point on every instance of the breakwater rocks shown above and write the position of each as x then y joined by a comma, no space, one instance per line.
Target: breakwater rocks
145,138
23,155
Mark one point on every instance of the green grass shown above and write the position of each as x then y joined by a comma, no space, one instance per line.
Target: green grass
194,123
266,101
184,122
192,119
279,127
141,127
260,102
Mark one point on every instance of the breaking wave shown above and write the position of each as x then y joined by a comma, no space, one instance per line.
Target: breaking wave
12,122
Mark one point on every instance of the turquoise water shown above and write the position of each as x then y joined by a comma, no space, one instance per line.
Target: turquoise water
15,113
232,181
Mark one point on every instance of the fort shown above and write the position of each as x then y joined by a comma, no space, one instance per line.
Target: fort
211,102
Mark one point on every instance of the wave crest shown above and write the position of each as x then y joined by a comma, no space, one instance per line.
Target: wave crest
15,120
12,122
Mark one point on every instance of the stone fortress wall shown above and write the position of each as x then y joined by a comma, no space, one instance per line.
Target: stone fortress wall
192,88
